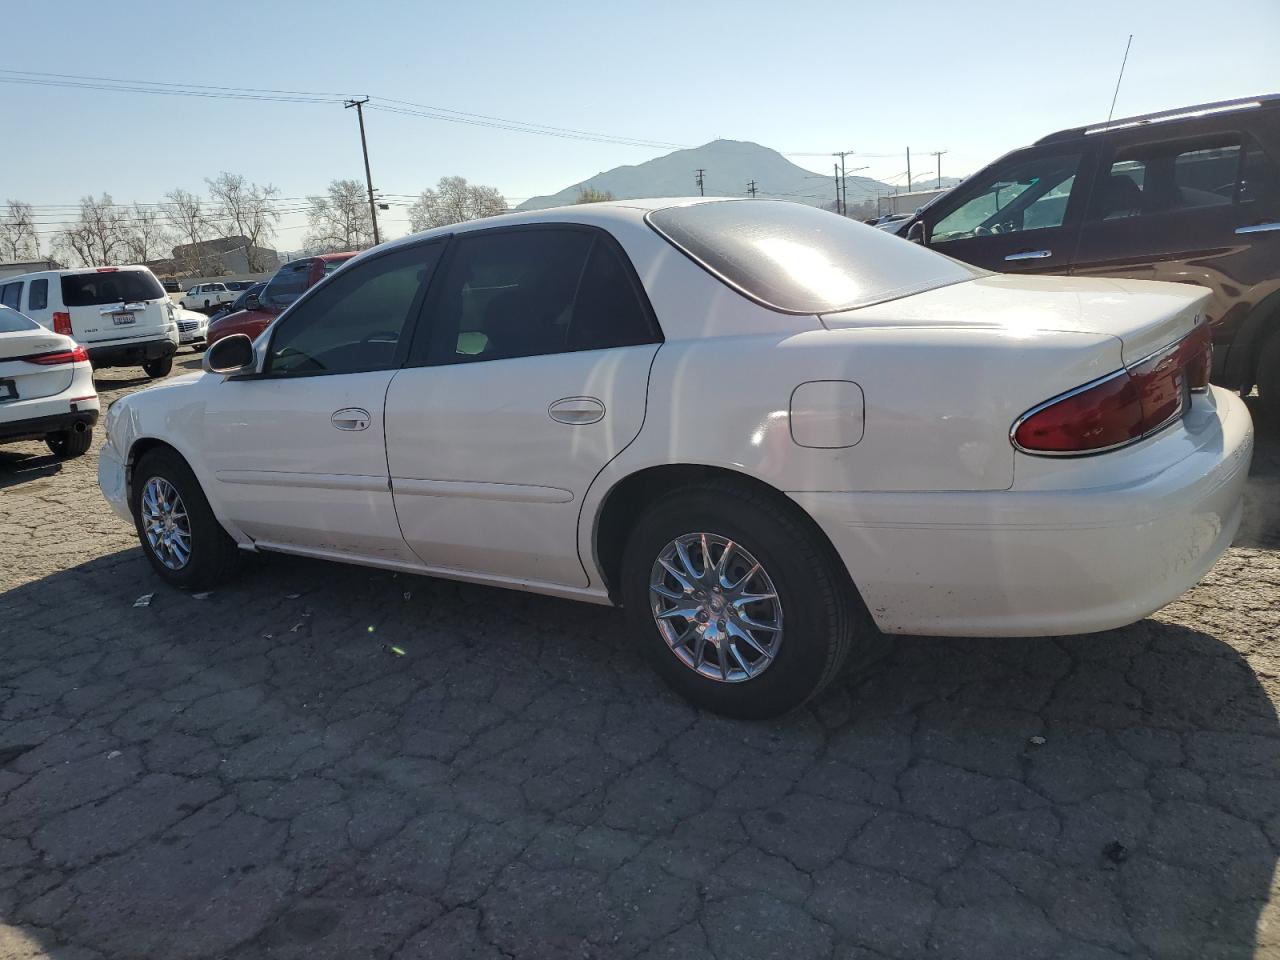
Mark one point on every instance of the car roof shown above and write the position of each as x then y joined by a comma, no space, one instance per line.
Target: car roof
1268,101
598,214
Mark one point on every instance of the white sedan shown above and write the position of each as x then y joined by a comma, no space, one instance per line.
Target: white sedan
46,387
749,423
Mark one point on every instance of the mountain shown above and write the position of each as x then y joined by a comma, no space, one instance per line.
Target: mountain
729,165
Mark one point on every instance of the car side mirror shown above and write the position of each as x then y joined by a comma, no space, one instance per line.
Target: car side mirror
251,302
915,232
230,356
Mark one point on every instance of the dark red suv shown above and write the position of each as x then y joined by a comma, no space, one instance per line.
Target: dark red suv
1189,195
290,282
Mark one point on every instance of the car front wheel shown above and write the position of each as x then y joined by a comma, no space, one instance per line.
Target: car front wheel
742,608
177,529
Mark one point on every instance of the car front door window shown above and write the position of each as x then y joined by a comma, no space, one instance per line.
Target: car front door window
1019,196
354,322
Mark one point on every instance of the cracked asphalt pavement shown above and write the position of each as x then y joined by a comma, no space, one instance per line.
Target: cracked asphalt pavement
257,774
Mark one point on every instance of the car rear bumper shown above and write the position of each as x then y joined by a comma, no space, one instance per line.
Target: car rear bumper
1046,562
130,354
36,428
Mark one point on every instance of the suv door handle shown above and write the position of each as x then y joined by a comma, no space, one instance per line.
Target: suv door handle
576,410
1258,228
350,418
1030,255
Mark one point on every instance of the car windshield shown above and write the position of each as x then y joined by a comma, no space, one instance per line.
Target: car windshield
289,283
799,259
11,321
114,286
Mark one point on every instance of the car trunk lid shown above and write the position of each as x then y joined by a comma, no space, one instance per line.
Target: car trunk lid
1144,316
23,380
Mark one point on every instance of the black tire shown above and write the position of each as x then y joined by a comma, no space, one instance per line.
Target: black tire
818,601
66,444
1268,378
214,557
155,369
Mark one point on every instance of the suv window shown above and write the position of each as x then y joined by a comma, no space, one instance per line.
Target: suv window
1168,177
115,286
1029,193
353,324
11,294
289,283
528,293
38,295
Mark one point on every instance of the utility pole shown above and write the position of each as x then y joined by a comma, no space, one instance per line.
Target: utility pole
908,169
368,177
836,167
842,202
938,154
751,188
698,174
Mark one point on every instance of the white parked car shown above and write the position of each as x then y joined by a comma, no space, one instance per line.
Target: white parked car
46,387
748,422
206,296
193,327
120,315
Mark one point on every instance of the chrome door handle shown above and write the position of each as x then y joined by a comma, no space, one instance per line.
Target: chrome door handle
350,418
1258,228
1030,255
576,410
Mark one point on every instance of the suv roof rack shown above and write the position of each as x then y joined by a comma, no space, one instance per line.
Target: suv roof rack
1165,116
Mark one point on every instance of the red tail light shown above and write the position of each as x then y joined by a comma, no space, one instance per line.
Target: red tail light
78,355
62,323
1121,408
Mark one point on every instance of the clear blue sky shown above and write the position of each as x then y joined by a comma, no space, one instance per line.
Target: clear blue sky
975,79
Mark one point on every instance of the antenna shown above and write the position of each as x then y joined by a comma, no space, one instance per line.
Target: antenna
1111,113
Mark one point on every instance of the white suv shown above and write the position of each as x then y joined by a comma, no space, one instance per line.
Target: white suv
121,315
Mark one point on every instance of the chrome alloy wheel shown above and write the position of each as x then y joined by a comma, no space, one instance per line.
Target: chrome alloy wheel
716,607
165,523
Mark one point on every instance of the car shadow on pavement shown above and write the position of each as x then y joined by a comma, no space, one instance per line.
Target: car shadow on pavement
16,468
326,761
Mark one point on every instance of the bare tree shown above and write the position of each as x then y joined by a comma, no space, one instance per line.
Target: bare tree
592,195
97,237
340,220
454,201
189,221
246,210
18,237
145,236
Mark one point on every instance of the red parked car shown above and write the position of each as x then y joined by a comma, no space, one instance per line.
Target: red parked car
289,283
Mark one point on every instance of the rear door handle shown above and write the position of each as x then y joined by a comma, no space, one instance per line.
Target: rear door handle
1258,228
576,410
350,418
1030,255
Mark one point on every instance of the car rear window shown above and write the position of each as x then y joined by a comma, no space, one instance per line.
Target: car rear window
289,283
799,259
11,321
117,286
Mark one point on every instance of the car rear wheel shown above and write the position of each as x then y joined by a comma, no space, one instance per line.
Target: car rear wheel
177,529
155,369
741,608
66,444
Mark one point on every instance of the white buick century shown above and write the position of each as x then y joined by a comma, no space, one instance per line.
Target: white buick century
749,423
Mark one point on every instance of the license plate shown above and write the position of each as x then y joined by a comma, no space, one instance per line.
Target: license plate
8,390
119,319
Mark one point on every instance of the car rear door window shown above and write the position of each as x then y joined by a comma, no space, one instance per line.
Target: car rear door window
38,296
1169,177
354,323
11,294
1030,193
1259,177
526,293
